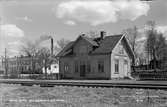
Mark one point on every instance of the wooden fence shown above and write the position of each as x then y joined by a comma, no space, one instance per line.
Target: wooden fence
150,75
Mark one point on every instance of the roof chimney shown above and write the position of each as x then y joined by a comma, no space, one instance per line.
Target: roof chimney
82,34
102,34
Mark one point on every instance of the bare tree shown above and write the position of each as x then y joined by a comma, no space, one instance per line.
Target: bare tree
44,56
40,56
162,46
60,45
92,34
4,62
132,34
31,49
154,44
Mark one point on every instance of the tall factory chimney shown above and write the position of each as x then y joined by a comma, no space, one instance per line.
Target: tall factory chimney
51,46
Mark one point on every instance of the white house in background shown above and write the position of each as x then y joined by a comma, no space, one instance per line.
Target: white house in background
53,69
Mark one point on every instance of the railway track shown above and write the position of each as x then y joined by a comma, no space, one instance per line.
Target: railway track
90,83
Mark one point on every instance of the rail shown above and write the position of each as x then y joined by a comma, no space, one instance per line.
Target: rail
90,83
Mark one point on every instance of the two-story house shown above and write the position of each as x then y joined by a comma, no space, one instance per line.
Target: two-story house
104,57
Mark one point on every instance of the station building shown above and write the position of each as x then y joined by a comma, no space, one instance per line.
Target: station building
104,57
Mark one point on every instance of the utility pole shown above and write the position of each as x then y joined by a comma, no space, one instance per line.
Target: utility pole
6,64
51,47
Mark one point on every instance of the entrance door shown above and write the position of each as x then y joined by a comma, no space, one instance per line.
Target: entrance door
82,70
126,68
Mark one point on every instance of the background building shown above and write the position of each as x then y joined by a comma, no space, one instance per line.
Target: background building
21,65
2,70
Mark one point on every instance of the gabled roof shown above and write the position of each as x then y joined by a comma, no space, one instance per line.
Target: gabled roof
70,44
67,47
103,46
107,44
90,40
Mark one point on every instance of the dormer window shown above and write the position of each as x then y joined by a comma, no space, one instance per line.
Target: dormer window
121,49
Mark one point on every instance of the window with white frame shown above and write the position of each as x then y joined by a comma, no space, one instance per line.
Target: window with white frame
101,66
121,49
116,66
125,66
66,67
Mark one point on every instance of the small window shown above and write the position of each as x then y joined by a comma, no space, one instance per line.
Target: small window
101,66
116,66
66,67
121,49
49,68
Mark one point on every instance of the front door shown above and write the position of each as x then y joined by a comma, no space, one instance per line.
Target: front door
125,68
82,70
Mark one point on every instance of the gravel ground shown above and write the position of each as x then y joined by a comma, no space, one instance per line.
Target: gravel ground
63,96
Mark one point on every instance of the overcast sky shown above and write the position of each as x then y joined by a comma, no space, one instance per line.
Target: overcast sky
22,20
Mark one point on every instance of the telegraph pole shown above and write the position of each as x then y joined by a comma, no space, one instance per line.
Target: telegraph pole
6,65
51,48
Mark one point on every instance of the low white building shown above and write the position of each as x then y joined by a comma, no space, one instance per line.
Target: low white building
53,69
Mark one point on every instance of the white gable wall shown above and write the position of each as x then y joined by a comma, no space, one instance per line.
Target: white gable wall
124,70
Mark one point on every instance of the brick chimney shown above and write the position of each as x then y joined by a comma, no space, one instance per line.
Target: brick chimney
102,34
